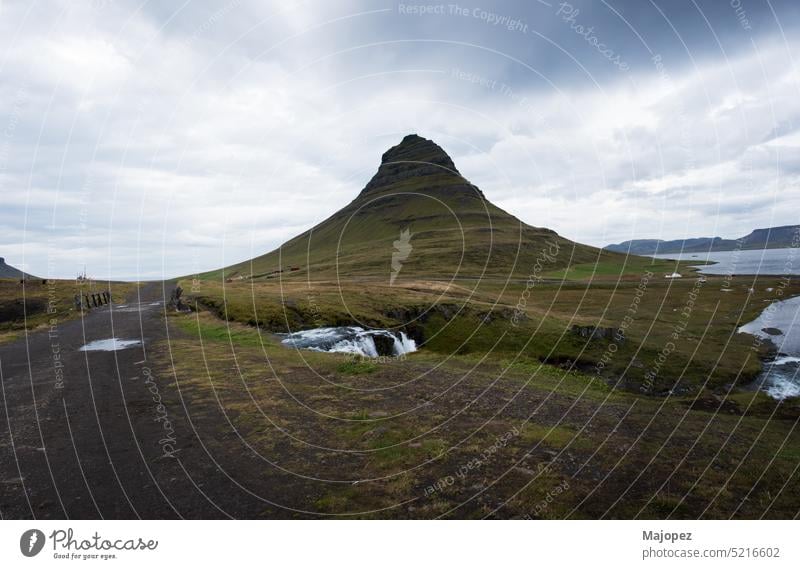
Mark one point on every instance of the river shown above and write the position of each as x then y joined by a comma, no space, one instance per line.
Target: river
780,323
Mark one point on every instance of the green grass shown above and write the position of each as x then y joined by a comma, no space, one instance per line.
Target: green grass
48,303
390,433
357,367
616,268
407,425
557,437
213,330
452,319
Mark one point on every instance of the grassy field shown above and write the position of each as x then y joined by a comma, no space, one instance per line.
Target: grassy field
35,303
462,435
553,379
679,334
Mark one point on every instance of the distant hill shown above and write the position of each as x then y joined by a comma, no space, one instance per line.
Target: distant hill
418,217
767,238
9,272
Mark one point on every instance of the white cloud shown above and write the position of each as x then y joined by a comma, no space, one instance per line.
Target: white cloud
160,145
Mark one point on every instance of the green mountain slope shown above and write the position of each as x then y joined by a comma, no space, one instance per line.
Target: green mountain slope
418,218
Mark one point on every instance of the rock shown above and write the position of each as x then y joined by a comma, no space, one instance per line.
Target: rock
384,344
598,332
176,301
417,157
772,331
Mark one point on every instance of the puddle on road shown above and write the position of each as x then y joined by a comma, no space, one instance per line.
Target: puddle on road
109,345
135,307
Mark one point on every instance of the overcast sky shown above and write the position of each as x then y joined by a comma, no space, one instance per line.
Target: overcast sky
149,139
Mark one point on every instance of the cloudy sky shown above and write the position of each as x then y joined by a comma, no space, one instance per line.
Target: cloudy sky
164,138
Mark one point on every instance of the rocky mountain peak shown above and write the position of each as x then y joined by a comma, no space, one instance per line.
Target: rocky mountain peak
414,157
414,148
9,272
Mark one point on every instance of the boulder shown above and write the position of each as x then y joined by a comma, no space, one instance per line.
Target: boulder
598,333
384,344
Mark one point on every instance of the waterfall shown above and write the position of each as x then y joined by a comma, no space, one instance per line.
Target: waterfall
352,340
403,344
776,324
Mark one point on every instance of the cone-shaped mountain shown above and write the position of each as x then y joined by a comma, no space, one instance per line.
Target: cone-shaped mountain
417,218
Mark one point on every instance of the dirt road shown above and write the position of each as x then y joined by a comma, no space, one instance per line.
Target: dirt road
82,434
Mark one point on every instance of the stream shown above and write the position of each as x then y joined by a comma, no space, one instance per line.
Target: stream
352,340
780,324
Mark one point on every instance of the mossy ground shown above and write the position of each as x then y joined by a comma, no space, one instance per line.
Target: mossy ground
36,303
680,335
470,427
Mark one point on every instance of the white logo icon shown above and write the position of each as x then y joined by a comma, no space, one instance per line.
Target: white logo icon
402,249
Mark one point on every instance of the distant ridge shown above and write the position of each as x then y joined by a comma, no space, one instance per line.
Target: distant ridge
767,238
9,272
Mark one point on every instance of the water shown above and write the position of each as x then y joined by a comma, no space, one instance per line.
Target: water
136,307
780,323
744,262
352,340
109,345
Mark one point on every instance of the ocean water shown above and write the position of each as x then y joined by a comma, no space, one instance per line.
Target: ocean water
744,262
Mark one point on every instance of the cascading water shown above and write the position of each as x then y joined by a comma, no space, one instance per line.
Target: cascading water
781,376
352,340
